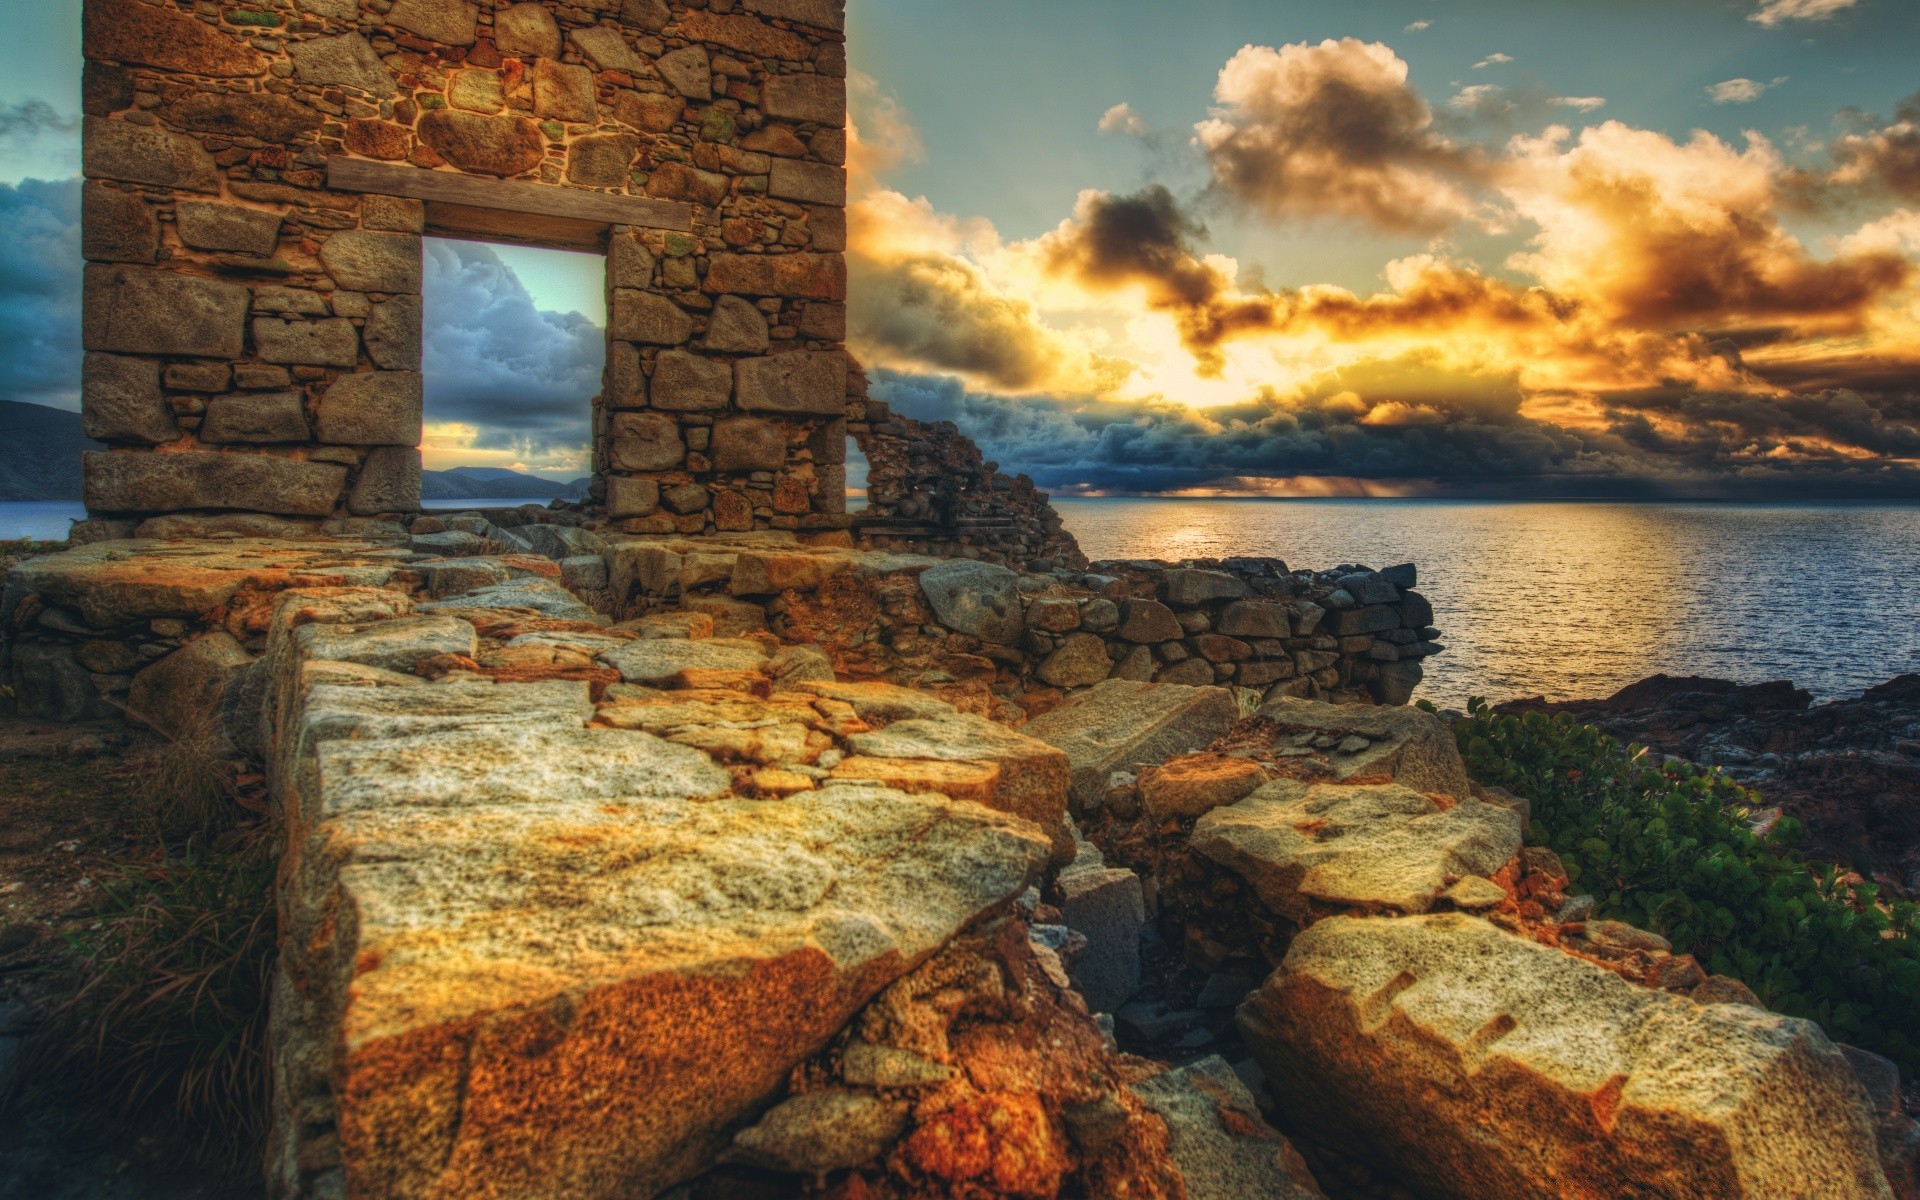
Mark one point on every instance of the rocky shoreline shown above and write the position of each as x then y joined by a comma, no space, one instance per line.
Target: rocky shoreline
1848,770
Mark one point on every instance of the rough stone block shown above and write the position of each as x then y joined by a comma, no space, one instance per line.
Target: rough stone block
392,333
1123,725
648,111
975,598
811,183
184,688
117,226
603,46
262,115
527,29
684,382
477,90
389,481
1080,659
1219,1143
816,98
809,381
648,317
800,276
687,71
1024,776
629,497
1479,1064
1106,905
1256,618
1370,848
206,225
1186,587
659,661
250,482
1407,746
749,444
629,263
748,35
373,408
198,376
563,91
332,342
1148,621
373,262
130,32
503,146
450,21
736,327
49,685
120,401
146,310
602,159
346,60
255,417
643,441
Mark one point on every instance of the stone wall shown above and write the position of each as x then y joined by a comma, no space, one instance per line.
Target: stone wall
259,177
929,490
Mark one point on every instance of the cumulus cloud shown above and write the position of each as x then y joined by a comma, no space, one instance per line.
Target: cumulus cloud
1491,60
517,378
40,291
1660,233
1585,104
1334,130
1122,118
1880,159
1741,90
1777,12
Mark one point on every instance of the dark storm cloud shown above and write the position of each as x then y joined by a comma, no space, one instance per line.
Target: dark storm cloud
492,359
937,309
30,118
1407,423
40,291
1881,158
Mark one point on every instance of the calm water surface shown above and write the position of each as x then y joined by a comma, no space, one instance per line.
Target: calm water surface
1576,600
1562,600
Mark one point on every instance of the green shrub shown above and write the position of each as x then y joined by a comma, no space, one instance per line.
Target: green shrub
163,1021
1667,848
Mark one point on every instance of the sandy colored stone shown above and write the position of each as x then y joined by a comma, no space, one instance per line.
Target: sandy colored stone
1193,785
1122,725
684,382
526,29
1478,1064
1369,847
209,226
389,481
1080,660
397,645
255,417
1405,745
975,598
657,662
346,59
736,327
805,98
373,262
146,310
372,408
130,32
329,342
1032,777
688,72
877,704
121,401
563,91
510,145
164,482
145,154
117,226
603,46
767,573
1223,1148
643,441
452,22
645,317
801,276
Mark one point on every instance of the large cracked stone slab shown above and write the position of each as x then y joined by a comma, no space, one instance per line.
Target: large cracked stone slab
191,479
1404,745
543,596
1369,847
975,598
1476,1064
1124,724
1016,773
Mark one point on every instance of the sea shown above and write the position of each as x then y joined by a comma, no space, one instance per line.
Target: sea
1563,600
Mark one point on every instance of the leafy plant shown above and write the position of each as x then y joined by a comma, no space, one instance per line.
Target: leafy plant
163,1021
1666,847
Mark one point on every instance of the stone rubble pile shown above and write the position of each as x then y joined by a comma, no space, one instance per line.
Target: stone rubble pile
930,491
620,866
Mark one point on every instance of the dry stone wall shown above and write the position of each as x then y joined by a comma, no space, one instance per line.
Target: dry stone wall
259,176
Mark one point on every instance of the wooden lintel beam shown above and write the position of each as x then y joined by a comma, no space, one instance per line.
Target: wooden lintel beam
572,205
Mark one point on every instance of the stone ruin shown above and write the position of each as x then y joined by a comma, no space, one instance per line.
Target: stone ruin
259,178
707,840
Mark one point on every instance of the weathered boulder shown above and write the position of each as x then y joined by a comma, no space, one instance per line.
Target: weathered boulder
877,703
975,598
1405,745
543,596
185,687
1222,1147
1476,1064
1368,847
1081,659
398,645
1122,725
193,479
1107,906
1009,771
1194,784
659,661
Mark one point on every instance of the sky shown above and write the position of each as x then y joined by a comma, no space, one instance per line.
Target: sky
1269,247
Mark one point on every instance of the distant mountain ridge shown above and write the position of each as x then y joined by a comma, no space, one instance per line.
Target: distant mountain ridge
40,450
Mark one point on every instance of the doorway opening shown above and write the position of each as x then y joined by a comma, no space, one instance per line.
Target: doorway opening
513,343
